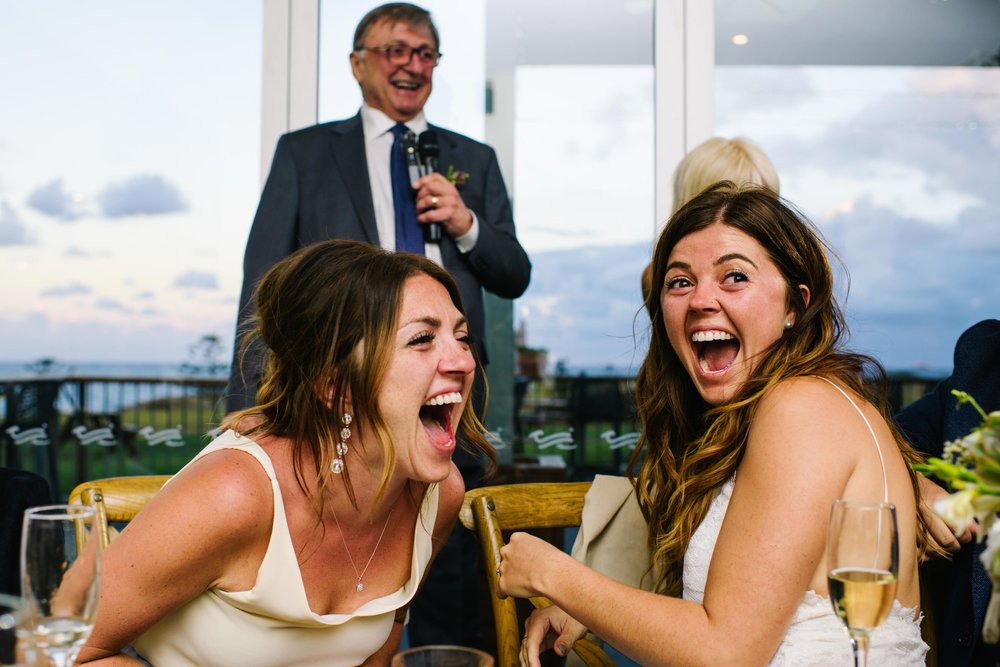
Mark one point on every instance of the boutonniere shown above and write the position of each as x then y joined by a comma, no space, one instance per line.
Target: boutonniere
457,177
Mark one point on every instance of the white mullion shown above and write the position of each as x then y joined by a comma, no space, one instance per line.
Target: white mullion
699,66
290,71
669,105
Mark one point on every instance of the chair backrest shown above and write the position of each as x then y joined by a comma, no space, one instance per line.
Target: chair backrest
491,510
117,499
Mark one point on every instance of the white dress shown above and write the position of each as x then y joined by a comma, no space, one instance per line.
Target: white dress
816,637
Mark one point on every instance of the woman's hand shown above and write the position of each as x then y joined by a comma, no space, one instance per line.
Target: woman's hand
547,628
930,493
523,562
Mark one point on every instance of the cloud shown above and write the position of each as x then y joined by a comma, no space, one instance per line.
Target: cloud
72,289
197,280
146,194
582,304
53,200
12,230
111,304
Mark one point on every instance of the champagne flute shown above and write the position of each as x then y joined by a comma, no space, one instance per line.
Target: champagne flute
60,577
863,564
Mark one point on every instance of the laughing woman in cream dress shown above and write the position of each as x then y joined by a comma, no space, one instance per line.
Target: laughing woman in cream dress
300,536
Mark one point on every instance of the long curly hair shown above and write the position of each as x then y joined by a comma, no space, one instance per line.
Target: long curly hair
327,317
688,448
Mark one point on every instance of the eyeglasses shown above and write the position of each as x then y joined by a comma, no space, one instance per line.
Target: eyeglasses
402,54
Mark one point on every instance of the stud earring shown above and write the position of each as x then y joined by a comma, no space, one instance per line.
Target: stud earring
345,434
788,324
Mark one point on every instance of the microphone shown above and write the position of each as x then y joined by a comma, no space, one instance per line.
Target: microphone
429,151
412,157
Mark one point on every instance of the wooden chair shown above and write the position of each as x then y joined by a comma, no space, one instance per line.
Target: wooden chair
117,499
491,510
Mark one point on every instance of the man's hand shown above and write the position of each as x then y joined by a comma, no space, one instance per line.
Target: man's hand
438,201
930,493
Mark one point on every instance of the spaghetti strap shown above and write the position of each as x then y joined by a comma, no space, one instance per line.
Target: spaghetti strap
878,448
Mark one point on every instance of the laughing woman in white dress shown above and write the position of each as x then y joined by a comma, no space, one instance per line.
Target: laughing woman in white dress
755,420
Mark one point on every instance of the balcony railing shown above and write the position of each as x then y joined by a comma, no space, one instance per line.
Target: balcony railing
70,429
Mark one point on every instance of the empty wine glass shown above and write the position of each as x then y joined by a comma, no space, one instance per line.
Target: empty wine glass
862,565
60,576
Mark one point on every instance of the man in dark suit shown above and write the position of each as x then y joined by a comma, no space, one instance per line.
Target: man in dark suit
959,587
19,490
334,180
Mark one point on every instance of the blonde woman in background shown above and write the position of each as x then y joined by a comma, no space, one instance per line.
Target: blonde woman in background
738,160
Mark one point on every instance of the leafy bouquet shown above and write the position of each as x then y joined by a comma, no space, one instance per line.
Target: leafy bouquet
971,467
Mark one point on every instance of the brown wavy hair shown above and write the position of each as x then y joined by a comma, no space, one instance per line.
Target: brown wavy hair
688,448
327,316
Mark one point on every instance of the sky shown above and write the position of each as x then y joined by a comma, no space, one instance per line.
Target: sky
130,161
897,166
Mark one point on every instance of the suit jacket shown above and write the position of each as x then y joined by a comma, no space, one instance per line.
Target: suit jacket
19,490
959,587
319,189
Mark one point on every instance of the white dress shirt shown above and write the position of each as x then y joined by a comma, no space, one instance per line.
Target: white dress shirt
377,129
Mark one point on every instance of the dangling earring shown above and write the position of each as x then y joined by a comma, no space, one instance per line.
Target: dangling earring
345,433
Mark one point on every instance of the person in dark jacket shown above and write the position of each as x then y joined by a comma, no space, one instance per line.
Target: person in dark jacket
959,587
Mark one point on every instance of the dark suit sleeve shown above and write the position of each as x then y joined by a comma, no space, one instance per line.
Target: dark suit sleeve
272,237
922,422
498,260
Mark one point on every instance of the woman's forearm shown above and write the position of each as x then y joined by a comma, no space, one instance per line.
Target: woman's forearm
98,658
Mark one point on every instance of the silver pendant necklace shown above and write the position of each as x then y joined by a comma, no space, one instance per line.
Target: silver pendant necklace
360,586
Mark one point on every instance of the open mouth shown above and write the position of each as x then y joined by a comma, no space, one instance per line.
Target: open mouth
406,85
436,418
715,350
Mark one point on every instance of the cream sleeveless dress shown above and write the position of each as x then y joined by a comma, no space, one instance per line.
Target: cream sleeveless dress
816,637
271,624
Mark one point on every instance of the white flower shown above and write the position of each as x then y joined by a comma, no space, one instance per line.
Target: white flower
991,625
985,508
956,510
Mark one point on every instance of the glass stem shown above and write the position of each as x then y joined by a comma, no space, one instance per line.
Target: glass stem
860,647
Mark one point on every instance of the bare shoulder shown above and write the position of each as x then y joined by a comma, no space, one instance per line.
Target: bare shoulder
803,394
226,491
805,404
807,421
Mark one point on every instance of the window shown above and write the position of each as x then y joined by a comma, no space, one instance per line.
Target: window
889,144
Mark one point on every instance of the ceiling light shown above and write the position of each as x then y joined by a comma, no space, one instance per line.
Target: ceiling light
740,39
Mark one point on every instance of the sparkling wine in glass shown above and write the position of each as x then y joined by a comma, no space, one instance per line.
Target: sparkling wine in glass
863,566
60,578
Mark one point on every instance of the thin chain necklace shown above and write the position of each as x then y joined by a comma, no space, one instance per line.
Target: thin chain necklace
360,586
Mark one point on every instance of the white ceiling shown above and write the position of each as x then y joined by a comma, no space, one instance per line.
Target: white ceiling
801,32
